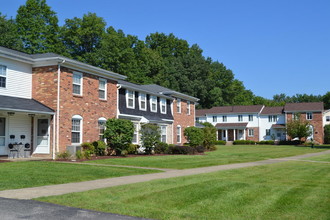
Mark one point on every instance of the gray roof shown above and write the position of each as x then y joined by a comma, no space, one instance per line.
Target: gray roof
9,103
304,106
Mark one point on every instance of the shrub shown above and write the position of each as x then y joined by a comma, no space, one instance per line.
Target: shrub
327,134
99,148
79,155
296,142
209,137
194,135
270,142
64,155
220,142
150,135
161,148
200,149
181,150
132,148
88,150
243,142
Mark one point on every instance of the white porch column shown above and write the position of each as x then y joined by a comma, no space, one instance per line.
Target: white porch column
244,136
234,134
226,132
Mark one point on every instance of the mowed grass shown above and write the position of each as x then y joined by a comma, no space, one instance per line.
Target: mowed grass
223,155
16,175
288,190
325,158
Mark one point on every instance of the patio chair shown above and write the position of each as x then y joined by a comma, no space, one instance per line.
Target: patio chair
27,150
12,150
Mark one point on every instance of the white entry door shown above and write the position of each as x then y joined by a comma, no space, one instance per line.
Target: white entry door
3,147
42,136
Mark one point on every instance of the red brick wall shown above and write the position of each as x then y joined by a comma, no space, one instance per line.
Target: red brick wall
88,106
316,122
182,119
255,136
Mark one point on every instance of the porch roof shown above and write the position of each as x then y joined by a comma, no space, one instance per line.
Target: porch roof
278,126
8,103
231,125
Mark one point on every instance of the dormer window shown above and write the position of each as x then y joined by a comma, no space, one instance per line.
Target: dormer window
130,99
3,76
163,106
143,101
153,103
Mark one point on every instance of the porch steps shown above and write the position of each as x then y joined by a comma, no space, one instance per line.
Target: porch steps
229,143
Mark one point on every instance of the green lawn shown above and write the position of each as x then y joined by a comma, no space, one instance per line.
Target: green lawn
223,155
289,190
325,157
16,175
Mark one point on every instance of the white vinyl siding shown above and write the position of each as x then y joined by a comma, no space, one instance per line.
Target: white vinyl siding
19,124
103,89
163,106
18,79
142,101
153,103
77,83
130,99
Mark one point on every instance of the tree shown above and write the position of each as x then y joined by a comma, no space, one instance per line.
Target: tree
327,134
326,100
194,135
150,136
9,36
210,136
298,129
38,27
119,134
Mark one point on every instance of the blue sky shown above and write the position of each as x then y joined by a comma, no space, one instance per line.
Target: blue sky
273,46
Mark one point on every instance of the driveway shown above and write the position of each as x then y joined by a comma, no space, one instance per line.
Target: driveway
11,209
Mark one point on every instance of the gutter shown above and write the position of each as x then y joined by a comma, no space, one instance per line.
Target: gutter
58,109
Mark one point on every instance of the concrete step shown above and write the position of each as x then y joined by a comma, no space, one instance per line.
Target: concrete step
229,143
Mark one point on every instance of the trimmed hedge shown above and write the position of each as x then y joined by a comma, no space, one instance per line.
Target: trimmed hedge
297,142
270,142
243,142
161,148
181,150
220,142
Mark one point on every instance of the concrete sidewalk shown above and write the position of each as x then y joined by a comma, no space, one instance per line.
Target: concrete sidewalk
60,189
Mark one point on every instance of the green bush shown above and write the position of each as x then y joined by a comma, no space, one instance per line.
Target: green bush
210,134
99,148
327,134
181,150
296,142
200,149
270,142
161,148
150,135
220,142
64,155
79,155
88,150
132,148
194,135
243,142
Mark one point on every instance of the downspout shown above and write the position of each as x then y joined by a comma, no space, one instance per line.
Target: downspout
58,106
54,138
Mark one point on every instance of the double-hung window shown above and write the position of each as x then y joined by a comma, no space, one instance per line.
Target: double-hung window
3,76
178,134
103,89
267,132
77,83
101,124
130,99
163,106
251,132
163,133
153,103
272,118
143,101
309,115
215,118
76,130
250,117
327,118
188,107
135,139
240,117
178,105
224,118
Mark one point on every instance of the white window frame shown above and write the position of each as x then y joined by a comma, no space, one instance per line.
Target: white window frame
178,105
3,74
240,117
251,132
224,118
267,132
215,118
188,108
178,134
250,117
80,84
80,119
101,125
128,93
162,104
103,89
309,115
141,99
163,132
153,100
136,133
327,118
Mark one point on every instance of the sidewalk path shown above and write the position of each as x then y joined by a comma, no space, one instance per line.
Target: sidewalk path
60,189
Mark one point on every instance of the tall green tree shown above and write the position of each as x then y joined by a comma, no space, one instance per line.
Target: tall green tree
9,36
298,129
38,27
326,100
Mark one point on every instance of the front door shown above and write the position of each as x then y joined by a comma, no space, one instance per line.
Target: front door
3,148
42,136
